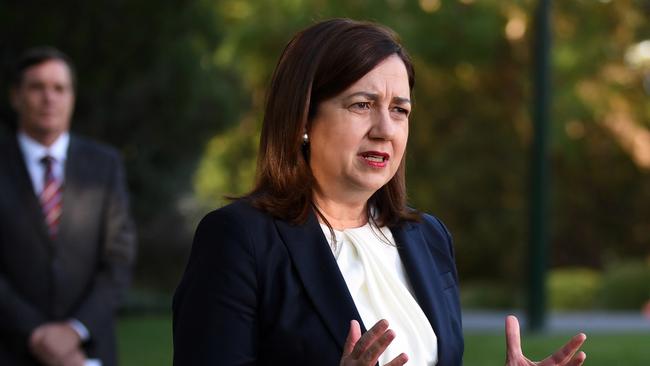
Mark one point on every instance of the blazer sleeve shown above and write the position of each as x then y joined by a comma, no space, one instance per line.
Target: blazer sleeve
112,279
215,304
18,318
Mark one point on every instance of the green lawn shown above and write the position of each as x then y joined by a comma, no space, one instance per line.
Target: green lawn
146,341
621,349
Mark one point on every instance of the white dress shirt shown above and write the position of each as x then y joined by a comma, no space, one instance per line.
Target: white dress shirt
34,152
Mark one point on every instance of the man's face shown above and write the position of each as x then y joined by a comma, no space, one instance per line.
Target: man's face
44,100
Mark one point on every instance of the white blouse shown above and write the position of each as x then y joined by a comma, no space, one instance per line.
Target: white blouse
375,277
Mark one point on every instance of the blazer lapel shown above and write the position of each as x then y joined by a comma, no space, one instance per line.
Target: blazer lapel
75,168
320,275
423,274
25,190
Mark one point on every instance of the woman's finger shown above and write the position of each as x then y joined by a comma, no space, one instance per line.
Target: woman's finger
564,354
578,359
353,336
369,338
399,360
513,338
371,355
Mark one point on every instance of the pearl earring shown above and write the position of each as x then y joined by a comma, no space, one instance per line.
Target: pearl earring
305,139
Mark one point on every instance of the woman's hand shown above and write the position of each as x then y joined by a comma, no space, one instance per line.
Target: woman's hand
565,356
365,350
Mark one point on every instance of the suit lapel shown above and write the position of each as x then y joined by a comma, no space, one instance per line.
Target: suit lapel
423,274
320,276
72,194
25,189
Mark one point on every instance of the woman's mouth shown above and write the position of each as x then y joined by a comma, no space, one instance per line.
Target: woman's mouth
375,158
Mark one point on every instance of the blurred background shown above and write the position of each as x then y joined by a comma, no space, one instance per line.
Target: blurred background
178,86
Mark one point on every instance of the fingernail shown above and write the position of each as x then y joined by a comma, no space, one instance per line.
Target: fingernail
390,334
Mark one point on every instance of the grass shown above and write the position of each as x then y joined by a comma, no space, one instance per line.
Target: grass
620,349
146,341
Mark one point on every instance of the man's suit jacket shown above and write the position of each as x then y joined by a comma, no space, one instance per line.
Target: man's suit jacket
84,272
260,291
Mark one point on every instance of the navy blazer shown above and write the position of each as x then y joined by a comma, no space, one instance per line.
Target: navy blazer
258,290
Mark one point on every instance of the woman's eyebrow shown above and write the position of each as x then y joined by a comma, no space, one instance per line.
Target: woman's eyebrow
401,100
375,97
366,95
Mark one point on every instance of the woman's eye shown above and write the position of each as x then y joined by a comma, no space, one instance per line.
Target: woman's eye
401,110
361,105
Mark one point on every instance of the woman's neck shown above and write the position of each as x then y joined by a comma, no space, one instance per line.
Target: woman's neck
341,214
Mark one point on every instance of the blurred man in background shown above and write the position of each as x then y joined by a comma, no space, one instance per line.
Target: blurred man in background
67,241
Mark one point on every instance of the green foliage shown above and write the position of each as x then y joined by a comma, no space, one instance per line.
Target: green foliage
227,167
487,295
572,288
600,186
625,286
621,286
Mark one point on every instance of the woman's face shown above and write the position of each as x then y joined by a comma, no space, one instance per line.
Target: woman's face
357,138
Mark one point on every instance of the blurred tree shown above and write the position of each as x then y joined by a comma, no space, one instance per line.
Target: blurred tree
601,115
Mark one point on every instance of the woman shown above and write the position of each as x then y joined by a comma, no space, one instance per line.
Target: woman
325,246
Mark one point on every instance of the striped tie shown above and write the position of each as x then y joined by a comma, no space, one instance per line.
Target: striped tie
51,198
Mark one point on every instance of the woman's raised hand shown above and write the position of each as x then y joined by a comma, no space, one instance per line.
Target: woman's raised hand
365,350
565,356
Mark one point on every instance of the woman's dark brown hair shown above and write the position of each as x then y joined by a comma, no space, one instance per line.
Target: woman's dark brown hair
317,64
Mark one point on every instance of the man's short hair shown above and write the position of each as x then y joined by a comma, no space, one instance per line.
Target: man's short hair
38,55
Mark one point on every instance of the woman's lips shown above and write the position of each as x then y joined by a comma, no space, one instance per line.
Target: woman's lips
375,158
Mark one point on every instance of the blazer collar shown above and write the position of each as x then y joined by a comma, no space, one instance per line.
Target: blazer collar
320,275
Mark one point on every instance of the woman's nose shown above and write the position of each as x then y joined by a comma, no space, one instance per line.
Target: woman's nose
382,125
